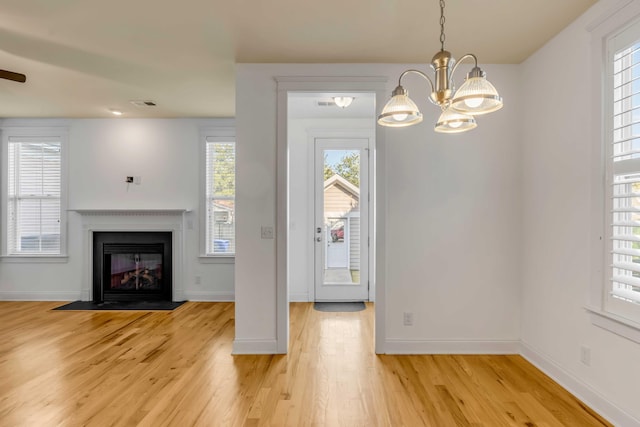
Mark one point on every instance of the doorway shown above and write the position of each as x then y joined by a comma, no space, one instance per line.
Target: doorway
290,256
341,219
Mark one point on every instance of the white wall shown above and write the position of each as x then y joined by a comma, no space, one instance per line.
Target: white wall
453,218
453,229
301,204
557,174
101,152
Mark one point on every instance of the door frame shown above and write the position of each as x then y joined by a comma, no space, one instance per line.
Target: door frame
370,136
284,85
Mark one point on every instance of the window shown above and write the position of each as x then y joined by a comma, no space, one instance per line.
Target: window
220,196
33,196
622,295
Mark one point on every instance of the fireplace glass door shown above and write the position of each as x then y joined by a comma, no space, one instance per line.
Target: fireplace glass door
135,271
132,270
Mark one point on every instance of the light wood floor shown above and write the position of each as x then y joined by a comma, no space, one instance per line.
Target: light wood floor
176,369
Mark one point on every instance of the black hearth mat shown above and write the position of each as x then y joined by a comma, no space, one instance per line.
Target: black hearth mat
120,305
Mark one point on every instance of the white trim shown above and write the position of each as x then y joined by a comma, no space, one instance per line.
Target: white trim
217,259
300,297
209,134
612,21
285,85
608,14
36,128
130,212
39,296
42,259
330,83
397,346
170,220
282,218
249,346
210,296
583,391
378,230
618,325
365,143
350,133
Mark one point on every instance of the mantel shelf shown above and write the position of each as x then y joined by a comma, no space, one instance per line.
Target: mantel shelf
136,212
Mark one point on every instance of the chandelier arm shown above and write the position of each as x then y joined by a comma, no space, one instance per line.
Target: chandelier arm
416,72
455,67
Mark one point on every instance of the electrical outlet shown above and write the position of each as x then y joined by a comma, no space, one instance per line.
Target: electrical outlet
198,280
585,355
407,319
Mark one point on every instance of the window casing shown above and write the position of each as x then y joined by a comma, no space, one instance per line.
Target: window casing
33,193
622,189
220,163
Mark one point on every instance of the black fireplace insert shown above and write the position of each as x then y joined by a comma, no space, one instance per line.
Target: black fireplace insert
132,266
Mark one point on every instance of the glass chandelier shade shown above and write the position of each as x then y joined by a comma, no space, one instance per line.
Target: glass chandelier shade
476,95
400,111
451,121
343,101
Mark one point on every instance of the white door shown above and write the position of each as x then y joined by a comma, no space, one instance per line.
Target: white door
341,212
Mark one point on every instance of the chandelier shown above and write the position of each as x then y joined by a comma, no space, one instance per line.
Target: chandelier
476,96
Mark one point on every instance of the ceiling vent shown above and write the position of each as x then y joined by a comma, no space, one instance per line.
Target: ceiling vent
143,104
326,104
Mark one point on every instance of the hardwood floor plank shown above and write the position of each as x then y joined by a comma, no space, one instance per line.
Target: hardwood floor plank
176,369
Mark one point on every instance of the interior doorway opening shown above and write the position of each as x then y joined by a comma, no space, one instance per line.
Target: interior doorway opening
294,272
330,196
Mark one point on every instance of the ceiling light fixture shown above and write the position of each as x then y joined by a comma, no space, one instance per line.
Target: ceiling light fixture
476,95
343,101
116,112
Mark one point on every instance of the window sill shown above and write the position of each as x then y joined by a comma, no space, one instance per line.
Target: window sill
616,324
44,259
217,259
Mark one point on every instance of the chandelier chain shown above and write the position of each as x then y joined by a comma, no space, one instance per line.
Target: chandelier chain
442,36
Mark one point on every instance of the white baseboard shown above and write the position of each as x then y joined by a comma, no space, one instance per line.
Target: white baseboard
248,346
578,388
212,296
393,346
299,297
39,296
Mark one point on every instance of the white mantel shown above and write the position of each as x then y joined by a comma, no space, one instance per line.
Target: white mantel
169,220
130,212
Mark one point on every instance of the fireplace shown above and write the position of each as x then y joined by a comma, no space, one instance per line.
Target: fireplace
130,266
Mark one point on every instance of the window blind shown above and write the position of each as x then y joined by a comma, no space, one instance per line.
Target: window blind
220,197
625,172
33,196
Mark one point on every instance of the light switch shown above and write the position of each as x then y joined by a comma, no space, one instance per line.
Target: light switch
266,232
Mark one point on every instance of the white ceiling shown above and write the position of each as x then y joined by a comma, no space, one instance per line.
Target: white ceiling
84,57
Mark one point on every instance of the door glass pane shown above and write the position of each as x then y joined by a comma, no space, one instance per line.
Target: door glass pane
341,217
